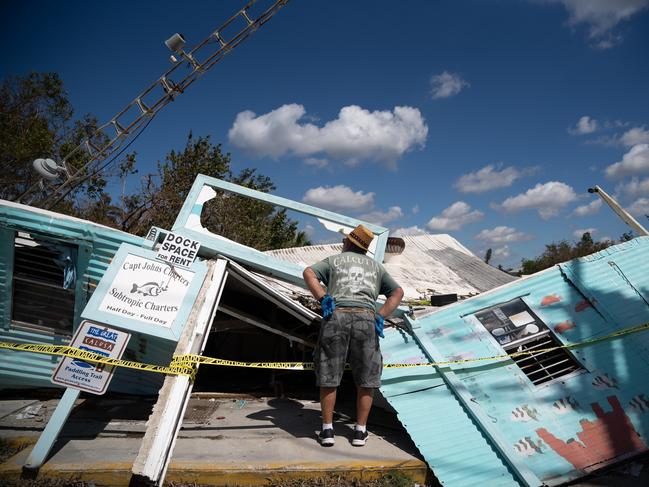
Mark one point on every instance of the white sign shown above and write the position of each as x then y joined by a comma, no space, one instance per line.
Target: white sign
99,339
147,290
178,250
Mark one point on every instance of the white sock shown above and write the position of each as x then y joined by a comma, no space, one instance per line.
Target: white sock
362,428
327,426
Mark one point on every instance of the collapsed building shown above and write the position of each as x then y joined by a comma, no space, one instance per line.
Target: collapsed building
538,412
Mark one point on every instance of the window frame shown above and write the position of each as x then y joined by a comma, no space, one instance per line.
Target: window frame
514,345
21,325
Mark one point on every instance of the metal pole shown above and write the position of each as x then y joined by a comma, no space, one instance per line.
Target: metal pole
51,432
621,212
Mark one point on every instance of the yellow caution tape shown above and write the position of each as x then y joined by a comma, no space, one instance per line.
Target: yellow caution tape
186,364
68,351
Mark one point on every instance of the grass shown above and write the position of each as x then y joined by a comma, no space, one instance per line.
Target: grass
9,448
391,479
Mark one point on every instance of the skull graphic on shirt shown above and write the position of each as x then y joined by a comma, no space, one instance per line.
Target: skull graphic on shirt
356,278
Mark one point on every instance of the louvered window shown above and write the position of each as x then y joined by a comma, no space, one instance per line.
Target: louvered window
43,283
517,329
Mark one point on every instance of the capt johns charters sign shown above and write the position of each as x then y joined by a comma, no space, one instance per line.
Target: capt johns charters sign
147,290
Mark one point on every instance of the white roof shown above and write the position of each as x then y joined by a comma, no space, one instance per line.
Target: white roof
429,264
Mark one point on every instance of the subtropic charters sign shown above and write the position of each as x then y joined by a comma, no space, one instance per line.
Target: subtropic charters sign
147,290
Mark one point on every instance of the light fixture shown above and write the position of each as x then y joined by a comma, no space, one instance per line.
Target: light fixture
47,168
175,43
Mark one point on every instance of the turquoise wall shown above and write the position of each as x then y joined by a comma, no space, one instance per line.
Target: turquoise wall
561,429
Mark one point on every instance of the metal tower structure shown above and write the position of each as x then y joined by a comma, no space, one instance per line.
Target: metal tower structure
112,138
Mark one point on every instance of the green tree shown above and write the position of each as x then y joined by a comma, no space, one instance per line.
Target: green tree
34,117
36,121
563,251
249,222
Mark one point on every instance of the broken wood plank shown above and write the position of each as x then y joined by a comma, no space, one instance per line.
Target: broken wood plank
151,464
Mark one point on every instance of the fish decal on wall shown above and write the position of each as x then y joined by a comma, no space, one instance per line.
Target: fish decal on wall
461,356
582,305
565,405
639,403
602,382
524,414
564,326
527,447
550,300
437,333
148,289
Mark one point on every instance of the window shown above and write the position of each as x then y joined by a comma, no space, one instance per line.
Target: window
44,280
517,329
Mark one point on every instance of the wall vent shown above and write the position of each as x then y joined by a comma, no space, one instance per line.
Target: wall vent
544,366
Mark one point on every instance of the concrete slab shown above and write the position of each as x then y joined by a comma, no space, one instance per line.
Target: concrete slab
9,407
224,441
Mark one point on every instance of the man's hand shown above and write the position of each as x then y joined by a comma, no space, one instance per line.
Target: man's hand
378,325
328,306
391,303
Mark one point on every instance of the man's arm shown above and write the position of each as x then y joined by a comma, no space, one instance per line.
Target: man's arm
391,303
313,284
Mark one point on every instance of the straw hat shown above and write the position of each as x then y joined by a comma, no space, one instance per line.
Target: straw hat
361,237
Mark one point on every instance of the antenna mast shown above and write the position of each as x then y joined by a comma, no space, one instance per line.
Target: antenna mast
113,137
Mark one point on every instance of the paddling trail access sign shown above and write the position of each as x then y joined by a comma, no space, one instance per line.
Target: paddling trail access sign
85,376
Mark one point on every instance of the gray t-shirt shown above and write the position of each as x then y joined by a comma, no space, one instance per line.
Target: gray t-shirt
354,279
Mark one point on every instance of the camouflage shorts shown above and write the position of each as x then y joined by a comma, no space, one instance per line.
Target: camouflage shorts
348,336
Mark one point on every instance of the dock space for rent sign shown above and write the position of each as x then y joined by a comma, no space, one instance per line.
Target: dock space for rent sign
95,338
178,250
147,291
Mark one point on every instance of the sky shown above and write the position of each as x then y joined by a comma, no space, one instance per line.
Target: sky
484,120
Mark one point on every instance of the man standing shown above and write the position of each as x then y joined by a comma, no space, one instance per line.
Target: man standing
350,327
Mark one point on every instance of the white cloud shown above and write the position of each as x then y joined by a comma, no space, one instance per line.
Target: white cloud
316,162
602,16
487,178
546,198
446,84
585,125
309,230
403,232
502,234
634,136
454,217
501,253
339,198
640,207
634,188
383,217
589,209
356,134
633,162
580,231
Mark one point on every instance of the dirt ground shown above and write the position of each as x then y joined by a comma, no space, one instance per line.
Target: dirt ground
388,480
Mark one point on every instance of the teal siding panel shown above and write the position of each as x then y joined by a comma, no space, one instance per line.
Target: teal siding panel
97,246
449,440
6,272
565,428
